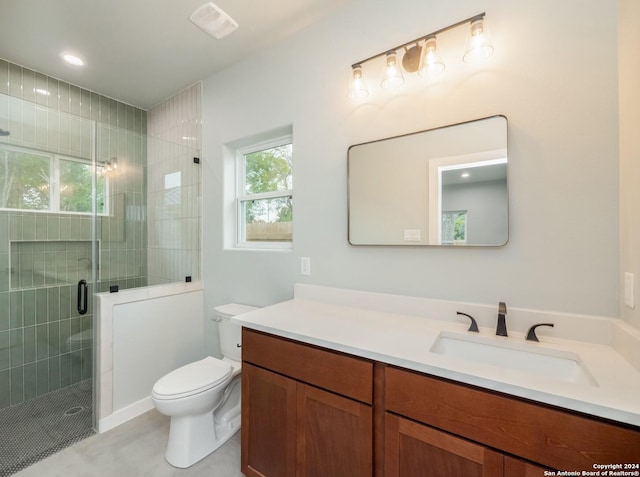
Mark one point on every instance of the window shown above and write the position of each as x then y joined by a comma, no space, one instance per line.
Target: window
264,195
454,227
24,180
46,182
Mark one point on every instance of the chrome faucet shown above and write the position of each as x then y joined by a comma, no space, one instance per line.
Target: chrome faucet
501,329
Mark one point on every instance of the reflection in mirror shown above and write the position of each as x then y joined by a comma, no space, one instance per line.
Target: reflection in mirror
445,186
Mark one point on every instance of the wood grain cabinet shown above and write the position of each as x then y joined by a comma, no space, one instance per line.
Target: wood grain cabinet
519,468
312,412
306,411
416,450
268,423
551,437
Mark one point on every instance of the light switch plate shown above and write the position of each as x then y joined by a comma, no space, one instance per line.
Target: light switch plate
628,290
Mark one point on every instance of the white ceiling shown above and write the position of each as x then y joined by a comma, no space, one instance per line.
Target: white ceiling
143,51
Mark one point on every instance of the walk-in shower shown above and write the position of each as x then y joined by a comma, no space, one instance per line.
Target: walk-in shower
82,211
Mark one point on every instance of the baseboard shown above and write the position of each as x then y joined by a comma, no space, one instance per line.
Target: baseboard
125,414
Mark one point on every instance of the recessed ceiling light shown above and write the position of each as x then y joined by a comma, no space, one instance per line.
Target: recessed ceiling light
72,59
465,175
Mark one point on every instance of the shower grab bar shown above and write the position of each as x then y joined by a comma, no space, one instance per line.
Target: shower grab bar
82,296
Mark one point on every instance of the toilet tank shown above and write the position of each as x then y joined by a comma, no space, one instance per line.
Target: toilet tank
230,333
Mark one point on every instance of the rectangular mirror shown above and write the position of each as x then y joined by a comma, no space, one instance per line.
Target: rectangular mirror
444,186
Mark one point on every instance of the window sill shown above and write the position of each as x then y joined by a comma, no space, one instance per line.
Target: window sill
258,247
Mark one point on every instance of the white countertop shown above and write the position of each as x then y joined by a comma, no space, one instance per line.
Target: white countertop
405,340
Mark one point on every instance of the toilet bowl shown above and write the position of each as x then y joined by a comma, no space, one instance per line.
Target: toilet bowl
203,398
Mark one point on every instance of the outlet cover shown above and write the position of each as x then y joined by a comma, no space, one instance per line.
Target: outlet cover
305,266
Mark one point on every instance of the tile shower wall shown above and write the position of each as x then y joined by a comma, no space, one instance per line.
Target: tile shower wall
173,190
42,254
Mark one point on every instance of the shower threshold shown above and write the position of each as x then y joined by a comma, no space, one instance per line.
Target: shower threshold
38,428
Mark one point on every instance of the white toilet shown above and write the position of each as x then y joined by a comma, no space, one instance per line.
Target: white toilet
203,398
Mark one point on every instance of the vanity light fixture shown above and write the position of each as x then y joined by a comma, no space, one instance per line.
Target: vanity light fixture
107,167
422,55
431,62
478,45
358,89
392,76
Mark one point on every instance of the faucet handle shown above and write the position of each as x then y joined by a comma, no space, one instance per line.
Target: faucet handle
474,325
531,334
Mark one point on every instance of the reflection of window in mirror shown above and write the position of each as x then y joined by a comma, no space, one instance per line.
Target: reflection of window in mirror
454,227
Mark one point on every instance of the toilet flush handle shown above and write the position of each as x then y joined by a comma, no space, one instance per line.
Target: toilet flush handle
217,319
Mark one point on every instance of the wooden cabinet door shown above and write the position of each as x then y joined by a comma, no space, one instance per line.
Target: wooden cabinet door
268,423
416,450
335,435
519,468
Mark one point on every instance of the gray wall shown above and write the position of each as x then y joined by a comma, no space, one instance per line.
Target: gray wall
629,39
486,206
563,153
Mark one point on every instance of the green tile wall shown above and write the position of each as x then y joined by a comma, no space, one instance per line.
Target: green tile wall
38,311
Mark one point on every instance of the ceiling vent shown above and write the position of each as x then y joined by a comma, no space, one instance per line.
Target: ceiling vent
213,21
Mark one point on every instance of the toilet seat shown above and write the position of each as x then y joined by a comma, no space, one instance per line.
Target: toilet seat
191,379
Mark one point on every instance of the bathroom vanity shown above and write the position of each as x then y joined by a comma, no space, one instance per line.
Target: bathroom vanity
305,410
322,395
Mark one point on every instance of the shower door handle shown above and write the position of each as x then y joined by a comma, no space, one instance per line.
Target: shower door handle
82,296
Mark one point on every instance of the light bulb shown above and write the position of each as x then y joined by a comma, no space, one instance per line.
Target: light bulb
357,89
431,60
478,44
392,76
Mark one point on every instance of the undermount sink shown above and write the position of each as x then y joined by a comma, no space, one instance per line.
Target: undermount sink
551,363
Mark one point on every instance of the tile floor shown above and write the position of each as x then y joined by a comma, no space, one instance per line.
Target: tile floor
38,428
133,449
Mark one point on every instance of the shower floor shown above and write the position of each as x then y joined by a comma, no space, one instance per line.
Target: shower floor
38,428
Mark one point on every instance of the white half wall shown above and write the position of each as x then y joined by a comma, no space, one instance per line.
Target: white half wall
144,333
561,106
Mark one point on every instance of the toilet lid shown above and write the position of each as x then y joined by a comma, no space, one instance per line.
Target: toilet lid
193,378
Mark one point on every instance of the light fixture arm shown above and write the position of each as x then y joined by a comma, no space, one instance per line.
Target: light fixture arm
479,16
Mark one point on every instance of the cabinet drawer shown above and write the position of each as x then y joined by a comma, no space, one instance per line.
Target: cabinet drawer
416,450
552,437
337,372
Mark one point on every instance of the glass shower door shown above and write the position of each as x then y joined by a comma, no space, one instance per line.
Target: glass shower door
48,195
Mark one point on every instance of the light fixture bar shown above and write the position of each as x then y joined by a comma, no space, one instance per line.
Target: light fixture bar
479,16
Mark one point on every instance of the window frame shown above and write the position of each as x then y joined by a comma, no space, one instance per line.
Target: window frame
241,197
55,185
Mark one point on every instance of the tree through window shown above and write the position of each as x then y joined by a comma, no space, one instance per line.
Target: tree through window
31,180
265,211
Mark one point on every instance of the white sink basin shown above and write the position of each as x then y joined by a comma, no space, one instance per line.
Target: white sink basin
528,358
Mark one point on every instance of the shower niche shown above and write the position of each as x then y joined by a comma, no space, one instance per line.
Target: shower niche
49,263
